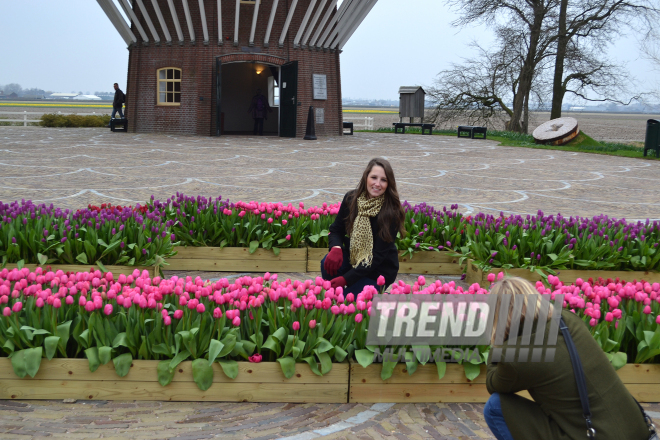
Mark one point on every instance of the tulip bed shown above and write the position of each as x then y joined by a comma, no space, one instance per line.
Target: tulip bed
95,316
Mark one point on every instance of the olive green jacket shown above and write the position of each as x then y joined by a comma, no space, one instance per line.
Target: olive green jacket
556,412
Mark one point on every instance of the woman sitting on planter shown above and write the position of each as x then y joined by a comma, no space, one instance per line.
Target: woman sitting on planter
556,412
362,236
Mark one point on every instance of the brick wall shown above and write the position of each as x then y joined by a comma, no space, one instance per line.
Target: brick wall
196,114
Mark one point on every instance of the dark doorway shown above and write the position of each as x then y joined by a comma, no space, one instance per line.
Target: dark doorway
289,99
237,84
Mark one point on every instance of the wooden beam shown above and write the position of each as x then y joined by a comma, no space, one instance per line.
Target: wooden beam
191,29
326,17
333,23
117,21
289,16
343,22
236,23
220,42
312,23
150,23
131,15
161,20
308,13
273,10
254,23
348,33
205,29
175,18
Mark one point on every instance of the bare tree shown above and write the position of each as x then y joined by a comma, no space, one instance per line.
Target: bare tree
584,23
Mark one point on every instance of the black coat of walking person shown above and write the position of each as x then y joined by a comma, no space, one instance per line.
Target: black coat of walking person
259,108
118,102
362,237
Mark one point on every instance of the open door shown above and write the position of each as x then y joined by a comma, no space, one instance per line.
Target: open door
218,97
289,99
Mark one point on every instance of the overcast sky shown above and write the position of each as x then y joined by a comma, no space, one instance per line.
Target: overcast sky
70,45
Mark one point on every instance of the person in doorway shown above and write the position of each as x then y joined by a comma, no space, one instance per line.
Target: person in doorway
259,109
362,237
556,411
118,102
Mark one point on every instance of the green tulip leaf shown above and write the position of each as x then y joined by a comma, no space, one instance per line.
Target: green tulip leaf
123,364
229,342
214,350
288,365
324,345
165,373
50,344
120,340
182,356
326,362
364,357
42,259
230,368
313,365
20,264
340,354
82,258
18,362
387,370
8,347
163,349
93,358
254,244
202,374
442,369
105,354
63,331
471,370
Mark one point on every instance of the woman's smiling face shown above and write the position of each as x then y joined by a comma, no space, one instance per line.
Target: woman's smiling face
376,182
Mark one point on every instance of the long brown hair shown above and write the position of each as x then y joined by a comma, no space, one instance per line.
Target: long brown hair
391,212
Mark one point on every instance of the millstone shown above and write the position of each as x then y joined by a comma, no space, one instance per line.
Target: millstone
557,131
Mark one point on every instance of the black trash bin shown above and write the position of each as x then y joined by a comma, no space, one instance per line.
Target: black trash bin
652,141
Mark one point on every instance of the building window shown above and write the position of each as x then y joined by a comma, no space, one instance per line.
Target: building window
169,86
273,92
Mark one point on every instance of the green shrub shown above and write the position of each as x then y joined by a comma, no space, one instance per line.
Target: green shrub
58,120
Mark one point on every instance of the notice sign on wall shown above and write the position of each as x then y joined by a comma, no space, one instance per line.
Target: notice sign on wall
320,86
320,116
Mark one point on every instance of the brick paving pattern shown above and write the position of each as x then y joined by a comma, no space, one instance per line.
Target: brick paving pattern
75,167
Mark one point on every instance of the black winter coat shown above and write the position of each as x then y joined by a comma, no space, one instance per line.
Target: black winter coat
120,98
385,255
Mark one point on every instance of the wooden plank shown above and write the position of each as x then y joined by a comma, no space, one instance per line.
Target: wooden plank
640,373
145,371
430,268
645,393
237,265
316,254
473,274
429,257
417,393
116,270
233,253
176,391
425,374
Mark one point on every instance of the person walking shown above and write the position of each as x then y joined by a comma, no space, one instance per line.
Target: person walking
118,102
556,411
259,108
362,237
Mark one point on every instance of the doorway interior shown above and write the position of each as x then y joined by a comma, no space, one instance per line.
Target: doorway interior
240,82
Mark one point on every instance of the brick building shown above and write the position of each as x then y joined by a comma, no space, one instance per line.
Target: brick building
194,65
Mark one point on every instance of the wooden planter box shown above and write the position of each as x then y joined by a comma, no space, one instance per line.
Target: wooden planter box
366,386
476,275
116,270
424,263
263,382
229,259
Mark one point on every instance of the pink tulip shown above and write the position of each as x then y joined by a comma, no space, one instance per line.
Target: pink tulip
657,319
255,358
358,317
491,277
201,308
167,320
178,314
381,280
57,303
312,323
236,321
296,326
89,306
593,322
40,302
217,313
609,317
17,307
6,311
647,310
107,309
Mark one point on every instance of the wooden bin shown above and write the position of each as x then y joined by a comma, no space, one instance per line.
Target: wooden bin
642,380
116,270
424,263
262,382
476,275
230,259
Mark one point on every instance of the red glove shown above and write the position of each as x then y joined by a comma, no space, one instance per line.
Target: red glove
338,282
333,261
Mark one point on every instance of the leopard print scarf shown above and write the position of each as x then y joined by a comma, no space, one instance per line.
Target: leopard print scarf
362,240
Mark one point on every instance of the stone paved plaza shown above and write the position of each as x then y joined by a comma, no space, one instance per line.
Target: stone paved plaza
75,167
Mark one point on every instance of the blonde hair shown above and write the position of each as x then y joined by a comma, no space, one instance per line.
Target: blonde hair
515,286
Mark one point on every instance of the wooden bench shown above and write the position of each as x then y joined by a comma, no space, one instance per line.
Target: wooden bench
402,126
123,123
471,131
